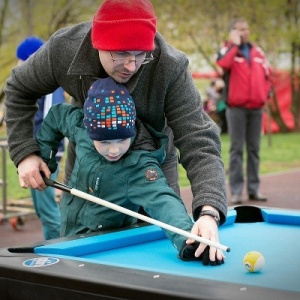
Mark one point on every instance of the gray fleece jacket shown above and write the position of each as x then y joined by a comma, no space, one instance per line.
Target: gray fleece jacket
163,91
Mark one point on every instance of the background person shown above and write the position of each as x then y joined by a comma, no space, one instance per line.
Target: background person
216,103
46,207
122,42
248,74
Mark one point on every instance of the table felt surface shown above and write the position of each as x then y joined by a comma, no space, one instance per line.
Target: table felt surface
147,248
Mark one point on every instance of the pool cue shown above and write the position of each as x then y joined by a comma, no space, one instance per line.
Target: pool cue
129,212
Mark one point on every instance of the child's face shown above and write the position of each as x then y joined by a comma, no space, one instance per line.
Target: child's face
112,150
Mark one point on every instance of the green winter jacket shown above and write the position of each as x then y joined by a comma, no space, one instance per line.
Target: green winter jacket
124,182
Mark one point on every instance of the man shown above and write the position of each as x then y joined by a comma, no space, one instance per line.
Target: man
248,85
122,43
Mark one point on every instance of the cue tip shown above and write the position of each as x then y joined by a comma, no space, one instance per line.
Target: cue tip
228,249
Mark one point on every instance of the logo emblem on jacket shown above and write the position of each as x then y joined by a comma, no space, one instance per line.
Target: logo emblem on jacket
151,175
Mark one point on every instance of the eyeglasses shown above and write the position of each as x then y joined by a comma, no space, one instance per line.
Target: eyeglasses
123,58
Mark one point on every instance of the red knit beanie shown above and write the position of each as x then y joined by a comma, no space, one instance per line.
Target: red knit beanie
122,25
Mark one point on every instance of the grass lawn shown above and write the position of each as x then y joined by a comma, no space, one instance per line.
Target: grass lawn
283,153
279,152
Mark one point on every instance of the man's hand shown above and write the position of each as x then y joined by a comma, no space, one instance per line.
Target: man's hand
29,170
235,37
207,227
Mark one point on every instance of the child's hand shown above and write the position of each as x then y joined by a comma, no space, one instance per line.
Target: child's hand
187,253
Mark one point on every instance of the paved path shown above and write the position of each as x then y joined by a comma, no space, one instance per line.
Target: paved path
282,189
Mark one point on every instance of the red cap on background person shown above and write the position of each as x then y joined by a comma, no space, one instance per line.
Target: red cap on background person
121,25
28,46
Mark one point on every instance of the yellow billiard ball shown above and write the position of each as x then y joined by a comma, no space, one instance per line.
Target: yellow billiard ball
254,261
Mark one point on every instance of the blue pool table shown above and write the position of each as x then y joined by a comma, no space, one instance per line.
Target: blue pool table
140,263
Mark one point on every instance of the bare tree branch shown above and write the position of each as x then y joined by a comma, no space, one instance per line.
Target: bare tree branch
61,16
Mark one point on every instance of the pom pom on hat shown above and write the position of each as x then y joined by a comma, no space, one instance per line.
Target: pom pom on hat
28,46
121,25
109,111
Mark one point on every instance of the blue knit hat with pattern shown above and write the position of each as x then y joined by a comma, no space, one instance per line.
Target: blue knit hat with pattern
109,111
28,46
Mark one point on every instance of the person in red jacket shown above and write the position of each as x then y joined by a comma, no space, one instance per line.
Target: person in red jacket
247,73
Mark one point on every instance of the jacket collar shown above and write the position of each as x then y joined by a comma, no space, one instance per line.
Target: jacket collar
80,65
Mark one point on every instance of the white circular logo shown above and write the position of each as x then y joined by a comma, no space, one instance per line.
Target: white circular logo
40,262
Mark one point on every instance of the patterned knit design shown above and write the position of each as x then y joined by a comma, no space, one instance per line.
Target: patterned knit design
109,111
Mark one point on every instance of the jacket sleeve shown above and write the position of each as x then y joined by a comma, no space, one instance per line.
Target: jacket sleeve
159,200
60,122
22,90
226,56
197,137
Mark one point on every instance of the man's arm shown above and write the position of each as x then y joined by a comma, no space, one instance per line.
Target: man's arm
227,53
198,139
226,56
27,83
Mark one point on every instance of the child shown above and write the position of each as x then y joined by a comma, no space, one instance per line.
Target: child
114,161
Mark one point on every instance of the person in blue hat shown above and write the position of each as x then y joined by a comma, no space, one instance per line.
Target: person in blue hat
45,204
28,46
118,158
